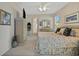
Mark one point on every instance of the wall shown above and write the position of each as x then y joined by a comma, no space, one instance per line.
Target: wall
69,9
35,25
6,31
28,19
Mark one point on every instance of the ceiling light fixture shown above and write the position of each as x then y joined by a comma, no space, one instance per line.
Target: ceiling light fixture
43,7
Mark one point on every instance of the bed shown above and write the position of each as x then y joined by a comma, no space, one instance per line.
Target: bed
53,44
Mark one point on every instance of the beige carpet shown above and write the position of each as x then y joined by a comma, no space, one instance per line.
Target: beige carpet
25,49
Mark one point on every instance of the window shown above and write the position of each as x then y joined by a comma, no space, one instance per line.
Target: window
57,21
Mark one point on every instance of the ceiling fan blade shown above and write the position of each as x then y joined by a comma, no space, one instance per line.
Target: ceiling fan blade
24,13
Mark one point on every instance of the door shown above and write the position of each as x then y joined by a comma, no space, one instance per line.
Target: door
19,30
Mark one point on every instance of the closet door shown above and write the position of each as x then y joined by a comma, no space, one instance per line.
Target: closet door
19,30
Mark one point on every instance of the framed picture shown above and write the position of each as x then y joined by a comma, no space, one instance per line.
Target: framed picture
72,18
5,18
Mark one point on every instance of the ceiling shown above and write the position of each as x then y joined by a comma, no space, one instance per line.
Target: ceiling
31,8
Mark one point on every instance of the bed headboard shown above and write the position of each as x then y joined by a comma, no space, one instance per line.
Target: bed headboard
75,29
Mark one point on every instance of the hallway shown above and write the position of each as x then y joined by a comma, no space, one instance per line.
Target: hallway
26,49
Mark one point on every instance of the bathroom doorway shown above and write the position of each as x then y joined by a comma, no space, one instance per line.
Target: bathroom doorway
28,26
29,29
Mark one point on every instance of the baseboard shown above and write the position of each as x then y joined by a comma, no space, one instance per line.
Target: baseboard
4,52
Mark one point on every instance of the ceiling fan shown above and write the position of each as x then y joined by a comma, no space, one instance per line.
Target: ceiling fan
43,7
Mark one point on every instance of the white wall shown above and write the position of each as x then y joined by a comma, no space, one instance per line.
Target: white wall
6,31
35,21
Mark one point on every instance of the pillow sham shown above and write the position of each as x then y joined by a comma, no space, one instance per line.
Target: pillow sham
57,30
62,30
67,31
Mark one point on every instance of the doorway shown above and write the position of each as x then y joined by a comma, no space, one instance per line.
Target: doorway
29,26
29,29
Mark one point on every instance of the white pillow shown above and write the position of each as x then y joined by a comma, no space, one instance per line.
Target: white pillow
73,33
62,30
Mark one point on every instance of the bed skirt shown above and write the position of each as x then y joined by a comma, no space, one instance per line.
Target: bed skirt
68,51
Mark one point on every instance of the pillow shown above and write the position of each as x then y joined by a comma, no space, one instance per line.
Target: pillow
67,31
57,30
62,30
73,33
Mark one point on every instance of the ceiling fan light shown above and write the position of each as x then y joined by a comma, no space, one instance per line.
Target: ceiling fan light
44,8
40,9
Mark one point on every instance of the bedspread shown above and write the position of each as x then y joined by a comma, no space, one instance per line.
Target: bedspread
57,45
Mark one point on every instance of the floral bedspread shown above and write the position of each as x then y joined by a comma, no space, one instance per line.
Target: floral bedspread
57,45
